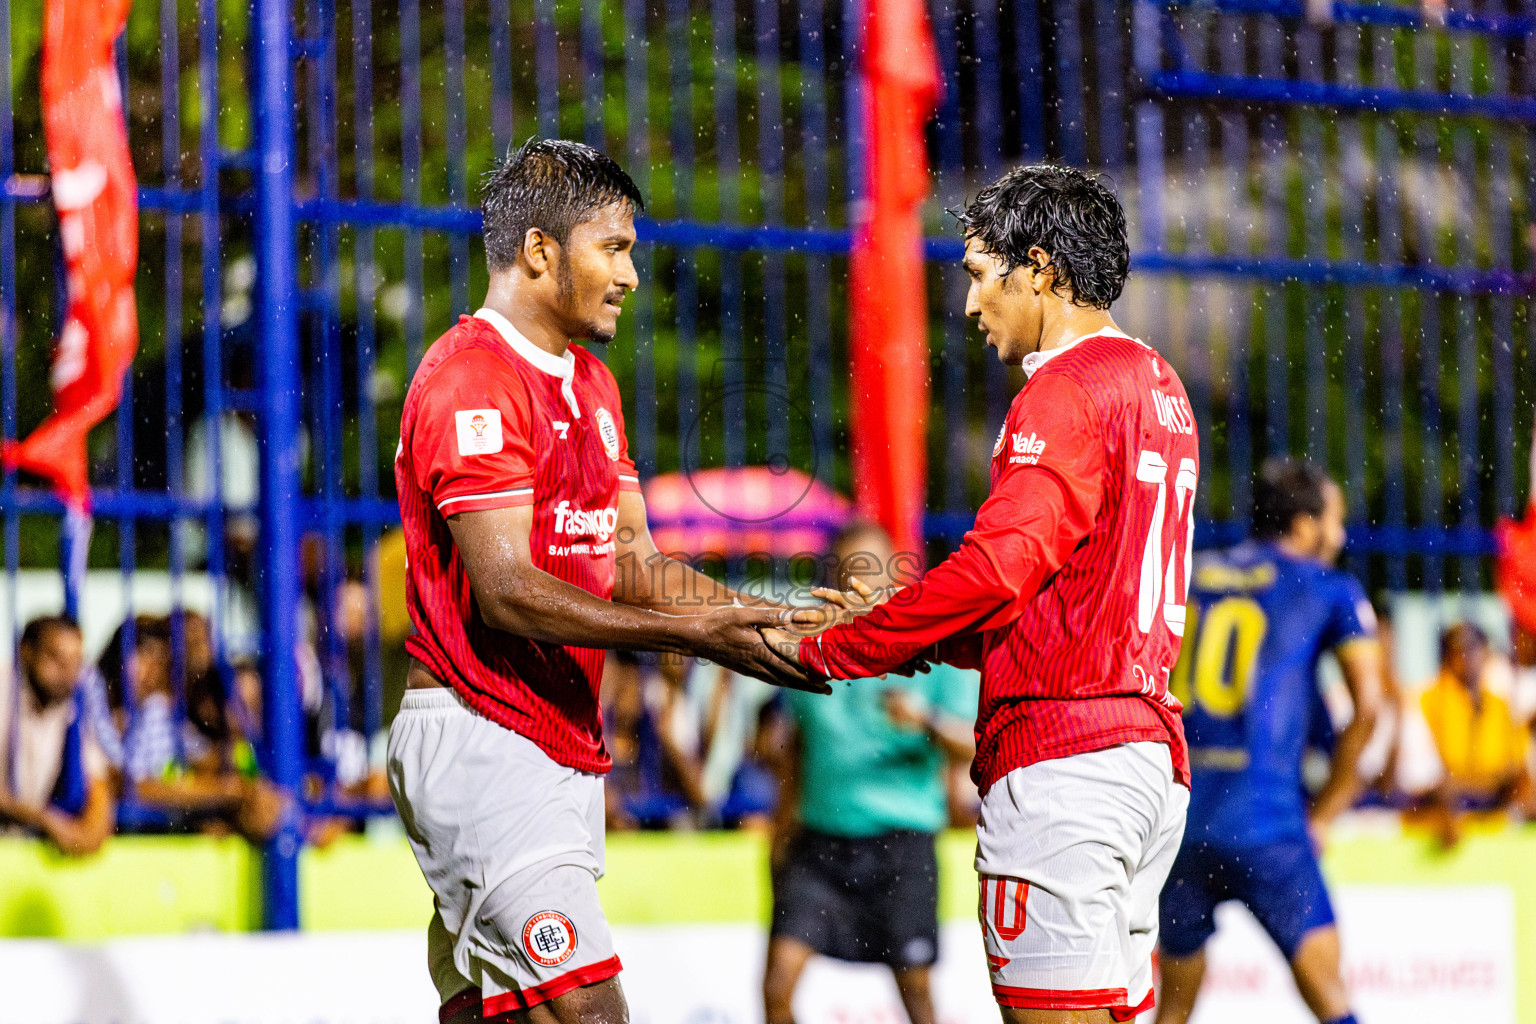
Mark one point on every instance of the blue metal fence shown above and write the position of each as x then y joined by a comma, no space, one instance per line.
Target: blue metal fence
1296,258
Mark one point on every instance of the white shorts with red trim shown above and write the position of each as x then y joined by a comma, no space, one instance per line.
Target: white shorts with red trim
1072,855
512,845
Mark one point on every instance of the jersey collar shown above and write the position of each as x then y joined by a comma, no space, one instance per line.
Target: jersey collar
1035,360
555,366
563,367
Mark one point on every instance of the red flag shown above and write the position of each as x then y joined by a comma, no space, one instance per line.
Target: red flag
96,195
889,310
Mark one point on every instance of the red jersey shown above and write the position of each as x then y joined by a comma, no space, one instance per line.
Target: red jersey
1069,592
493,421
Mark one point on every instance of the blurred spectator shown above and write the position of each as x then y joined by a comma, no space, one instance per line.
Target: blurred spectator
57,781
1522,683
1482,747
198,772
654,739
738,720
623,707
865,777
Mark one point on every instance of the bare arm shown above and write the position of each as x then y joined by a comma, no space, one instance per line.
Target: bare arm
1361,663
516,596
194,791
82,835
954,738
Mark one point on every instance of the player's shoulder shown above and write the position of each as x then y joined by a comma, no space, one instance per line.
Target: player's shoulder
468,352
1112,363
1344,587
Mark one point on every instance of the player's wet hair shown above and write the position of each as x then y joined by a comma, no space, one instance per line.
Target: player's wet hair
1072,216
552,185
1286,488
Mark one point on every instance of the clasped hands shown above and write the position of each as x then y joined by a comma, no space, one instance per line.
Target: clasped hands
764,641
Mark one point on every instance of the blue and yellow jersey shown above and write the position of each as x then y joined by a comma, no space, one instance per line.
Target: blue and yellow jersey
1258,621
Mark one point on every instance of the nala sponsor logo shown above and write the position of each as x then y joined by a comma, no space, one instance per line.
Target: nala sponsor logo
579,522
1027,450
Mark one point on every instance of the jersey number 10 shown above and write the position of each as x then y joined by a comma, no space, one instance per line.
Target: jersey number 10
1166,585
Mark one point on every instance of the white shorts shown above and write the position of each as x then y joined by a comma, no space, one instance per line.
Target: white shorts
1072,855
512,845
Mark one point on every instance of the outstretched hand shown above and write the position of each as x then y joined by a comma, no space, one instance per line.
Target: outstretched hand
733,637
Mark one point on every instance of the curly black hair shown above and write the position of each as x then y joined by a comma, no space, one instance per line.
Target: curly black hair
1071,215
550,184
1286,488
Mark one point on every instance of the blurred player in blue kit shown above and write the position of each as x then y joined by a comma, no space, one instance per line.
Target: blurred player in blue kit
1261,615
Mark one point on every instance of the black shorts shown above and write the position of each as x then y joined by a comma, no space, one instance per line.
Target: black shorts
868,900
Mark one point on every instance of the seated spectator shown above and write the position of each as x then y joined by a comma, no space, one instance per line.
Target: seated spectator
739,720
662,767
209,784
1482,746
57,781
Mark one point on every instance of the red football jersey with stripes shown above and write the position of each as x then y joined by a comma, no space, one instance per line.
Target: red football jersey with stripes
1069,592
493,421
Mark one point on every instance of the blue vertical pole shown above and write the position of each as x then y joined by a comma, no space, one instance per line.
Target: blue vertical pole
818,190
277,298
637,109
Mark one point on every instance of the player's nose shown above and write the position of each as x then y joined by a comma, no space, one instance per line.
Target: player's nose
973,303
627,277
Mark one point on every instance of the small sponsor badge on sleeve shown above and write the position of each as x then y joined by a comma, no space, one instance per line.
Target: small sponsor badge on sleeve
479,431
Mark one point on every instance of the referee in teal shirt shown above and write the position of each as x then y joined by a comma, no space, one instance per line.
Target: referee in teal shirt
865,790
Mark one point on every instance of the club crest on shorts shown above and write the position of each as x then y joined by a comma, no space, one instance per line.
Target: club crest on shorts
608,432
549,938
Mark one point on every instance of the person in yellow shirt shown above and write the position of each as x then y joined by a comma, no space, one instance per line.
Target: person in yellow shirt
1481,744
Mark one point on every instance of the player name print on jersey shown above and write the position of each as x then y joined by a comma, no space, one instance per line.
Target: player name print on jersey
549,938
1173,412
479,431
608,433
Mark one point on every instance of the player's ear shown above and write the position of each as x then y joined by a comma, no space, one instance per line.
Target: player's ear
1039,269
539,250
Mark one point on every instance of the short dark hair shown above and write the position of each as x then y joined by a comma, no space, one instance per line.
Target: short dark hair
32,634
552,185
1286,488
1073,216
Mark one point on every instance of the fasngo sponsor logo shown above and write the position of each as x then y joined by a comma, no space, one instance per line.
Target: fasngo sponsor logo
1027,450
600,522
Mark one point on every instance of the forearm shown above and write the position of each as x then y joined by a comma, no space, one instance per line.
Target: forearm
1024,532
81,835
673,587
190,792
533,604
1343,785
950,600
956,739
